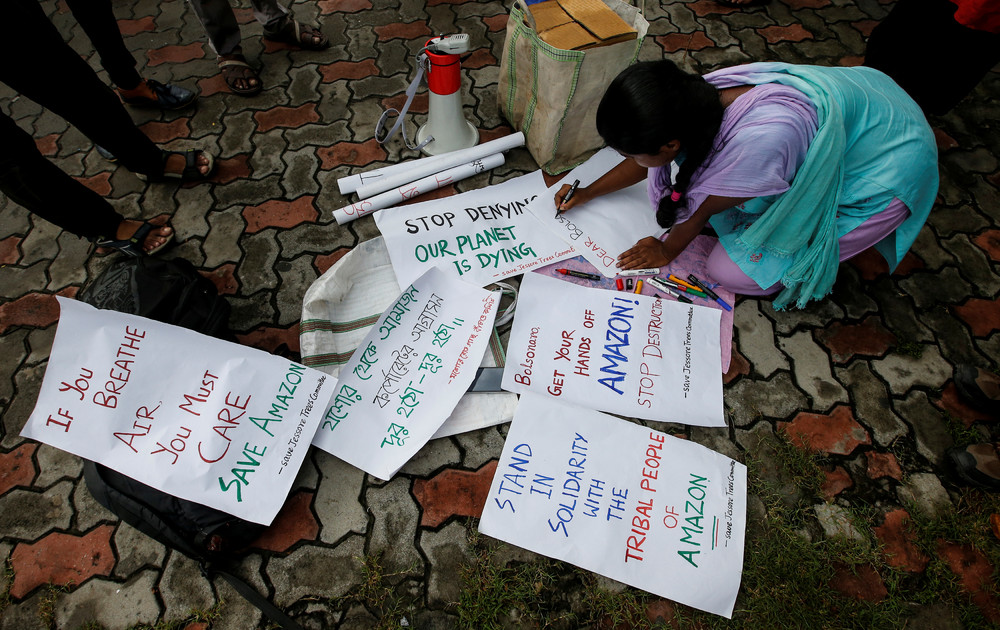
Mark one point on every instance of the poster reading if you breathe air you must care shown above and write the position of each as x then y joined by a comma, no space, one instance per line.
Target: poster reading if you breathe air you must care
203,419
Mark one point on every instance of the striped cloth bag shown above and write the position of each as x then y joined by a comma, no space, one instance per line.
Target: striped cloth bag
552,94
345,302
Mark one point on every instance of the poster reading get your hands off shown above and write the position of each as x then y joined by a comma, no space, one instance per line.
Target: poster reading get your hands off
482,235
408,374
636,505
206,420
626,353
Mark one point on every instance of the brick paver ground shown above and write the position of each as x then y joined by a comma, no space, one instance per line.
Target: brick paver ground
865,376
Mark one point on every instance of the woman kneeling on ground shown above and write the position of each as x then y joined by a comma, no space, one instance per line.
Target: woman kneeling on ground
796,168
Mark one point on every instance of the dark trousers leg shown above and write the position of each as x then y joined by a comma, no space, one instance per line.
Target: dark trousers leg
40,65
934,58
101,26
30,180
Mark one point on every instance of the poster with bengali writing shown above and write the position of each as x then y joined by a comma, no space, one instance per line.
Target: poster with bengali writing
203,419
482,235
408,373
626,353
639,506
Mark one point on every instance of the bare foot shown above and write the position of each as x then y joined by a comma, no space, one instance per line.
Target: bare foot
156,238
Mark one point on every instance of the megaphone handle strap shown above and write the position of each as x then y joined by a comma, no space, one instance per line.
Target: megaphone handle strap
411,91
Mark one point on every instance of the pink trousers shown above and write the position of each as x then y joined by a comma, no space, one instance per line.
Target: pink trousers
728,274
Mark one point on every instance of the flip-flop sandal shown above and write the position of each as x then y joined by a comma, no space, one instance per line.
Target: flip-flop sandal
132,246
299,34
191,172
237,69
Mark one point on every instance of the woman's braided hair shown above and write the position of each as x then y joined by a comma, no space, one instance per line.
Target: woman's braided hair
652,103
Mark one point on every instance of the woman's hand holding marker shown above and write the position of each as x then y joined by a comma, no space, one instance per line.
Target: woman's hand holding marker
569,196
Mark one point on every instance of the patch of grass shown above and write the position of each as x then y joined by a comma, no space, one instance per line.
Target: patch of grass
910,348
961,435
47,603
788,567
380,593
496,596
967,525
624,609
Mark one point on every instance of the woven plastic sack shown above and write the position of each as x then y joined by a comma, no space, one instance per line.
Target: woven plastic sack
345,302
552,95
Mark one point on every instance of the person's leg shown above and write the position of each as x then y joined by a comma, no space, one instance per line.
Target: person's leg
936,60
721,268
269,13
50,73
224,36
280,26
873,230
101,26
220,24
33,182
79,96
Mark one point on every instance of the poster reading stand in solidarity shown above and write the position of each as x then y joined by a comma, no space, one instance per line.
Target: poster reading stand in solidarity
408,374
630,354
203,419
636,505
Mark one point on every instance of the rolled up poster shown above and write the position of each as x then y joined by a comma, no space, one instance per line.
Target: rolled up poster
419,187
455,158
351,183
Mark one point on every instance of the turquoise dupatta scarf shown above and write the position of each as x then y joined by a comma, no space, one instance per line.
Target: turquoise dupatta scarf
800,226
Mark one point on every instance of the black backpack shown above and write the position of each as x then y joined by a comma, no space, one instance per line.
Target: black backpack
169,291
173,292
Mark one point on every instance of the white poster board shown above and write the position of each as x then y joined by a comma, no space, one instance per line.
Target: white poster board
604,227
656,512
408,374
482,235
630,354
203,419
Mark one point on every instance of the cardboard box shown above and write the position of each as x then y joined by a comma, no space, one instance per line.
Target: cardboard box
579,24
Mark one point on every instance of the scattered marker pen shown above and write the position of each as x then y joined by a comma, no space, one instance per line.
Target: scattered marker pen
620,284
638,286
684,283
569,195
659,285
579,274
639,272
686,289
628,284
711,293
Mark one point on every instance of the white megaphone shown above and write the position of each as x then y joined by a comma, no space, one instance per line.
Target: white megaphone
446,125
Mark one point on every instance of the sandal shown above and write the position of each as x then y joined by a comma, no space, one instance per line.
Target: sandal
166,96
191,172
235,69
132,246
298,34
